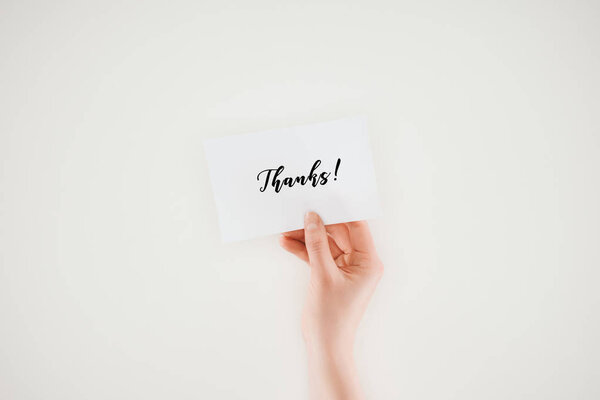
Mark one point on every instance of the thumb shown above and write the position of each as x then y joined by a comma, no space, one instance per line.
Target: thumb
317,243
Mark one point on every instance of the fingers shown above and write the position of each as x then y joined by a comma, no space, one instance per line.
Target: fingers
321,245
339,233
333,247
295,247
297,234
360,236
317,242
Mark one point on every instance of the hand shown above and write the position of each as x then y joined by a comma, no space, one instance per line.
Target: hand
344,271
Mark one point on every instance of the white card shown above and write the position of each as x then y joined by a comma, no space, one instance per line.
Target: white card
265,182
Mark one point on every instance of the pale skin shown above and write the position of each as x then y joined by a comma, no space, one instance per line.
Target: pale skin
344,271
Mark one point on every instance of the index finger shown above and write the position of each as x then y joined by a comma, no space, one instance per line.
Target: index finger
360,236
296,235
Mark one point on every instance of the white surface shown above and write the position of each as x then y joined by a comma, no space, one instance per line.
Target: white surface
484,126
248,174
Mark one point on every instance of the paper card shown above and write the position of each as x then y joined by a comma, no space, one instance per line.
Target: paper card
265,182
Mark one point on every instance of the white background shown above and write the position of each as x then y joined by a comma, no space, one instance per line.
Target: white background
484,126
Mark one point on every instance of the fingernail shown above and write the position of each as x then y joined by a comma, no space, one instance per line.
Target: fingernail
311,220
311,226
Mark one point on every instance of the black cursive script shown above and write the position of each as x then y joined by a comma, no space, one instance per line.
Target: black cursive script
274,177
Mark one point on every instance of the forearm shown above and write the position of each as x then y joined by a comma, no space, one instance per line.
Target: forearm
344,271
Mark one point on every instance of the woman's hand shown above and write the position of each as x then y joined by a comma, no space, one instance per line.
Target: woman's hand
344,271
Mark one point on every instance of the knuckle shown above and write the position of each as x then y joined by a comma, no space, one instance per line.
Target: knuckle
316,245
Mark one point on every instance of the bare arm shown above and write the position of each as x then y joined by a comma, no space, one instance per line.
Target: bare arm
344,271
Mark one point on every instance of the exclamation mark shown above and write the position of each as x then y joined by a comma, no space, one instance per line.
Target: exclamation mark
337,167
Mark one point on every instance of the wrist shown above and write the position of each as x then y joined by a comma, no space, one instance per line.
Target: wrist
329,346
